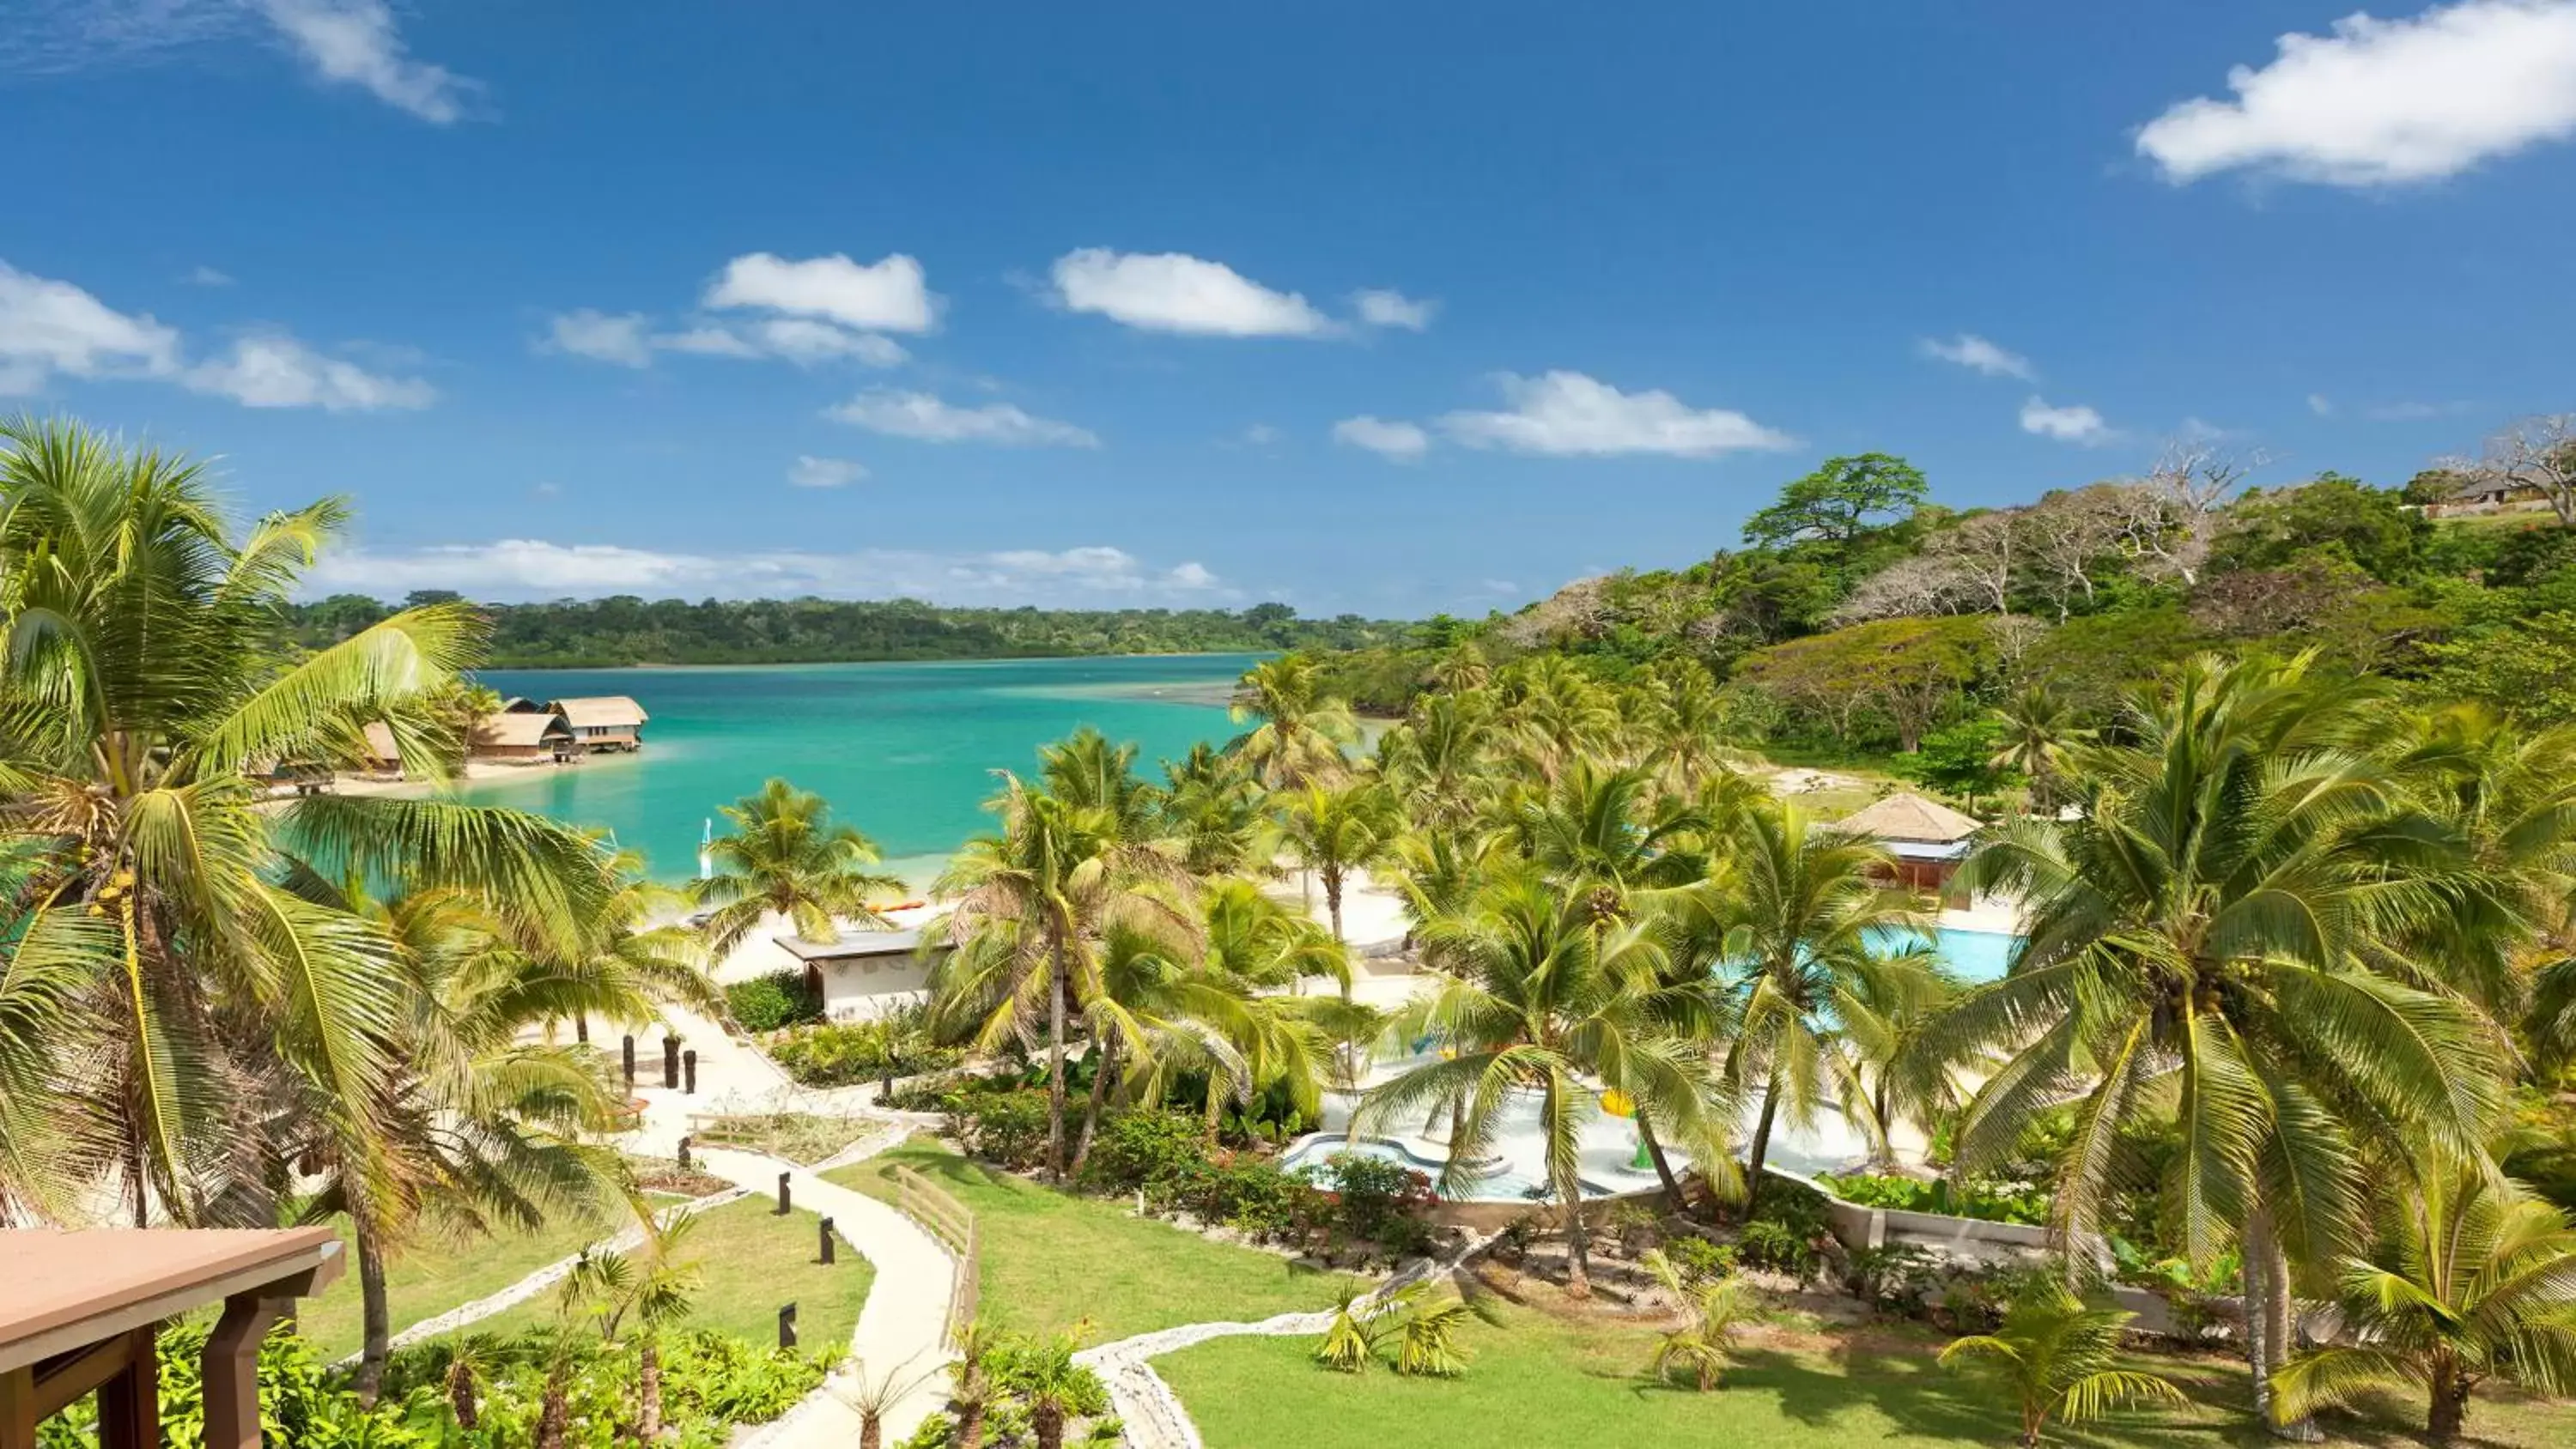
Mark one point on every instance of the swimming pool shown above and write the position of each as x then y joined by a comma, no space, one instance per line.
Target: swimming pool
1975,956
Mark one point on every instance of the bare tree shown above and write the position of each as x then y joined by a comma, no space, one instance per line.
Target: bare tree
2170,517
1913,587
2538,453
1981,551
2067,535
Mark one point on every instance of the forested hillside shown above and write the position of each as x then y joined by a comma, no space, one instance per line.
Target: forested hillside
1861,618
627,630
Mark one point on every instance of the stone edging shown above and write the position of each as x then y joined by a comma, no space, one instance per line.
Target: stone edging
540,1280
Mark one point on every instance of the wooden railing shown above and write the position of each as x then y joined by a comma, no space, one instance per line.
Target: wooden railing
944,1218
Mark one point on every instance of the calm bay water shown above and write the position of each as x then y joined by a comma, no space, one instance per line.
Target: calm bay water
904,751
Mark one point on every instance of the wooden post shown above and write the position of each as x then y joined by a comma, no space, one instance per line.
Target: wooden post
18,1407
630,1061
689,1071
684,1154
787,1326
231,1370
670,1061
783,1207
827,1242
129,1405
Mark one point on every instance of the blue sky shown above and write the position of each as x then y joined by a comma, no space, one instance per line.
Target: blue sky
1365,307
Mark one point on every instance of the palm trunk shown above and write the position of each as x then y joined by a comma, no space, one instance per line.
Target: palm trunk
2278,1326
1048,1420
555,1416
1333,899
970,1424
1055,1060
461,1399
1761,1140
648,1393
871,1430
2257,1275
375,1314
2450,1409
1663,1169
1104,1066
1578,1242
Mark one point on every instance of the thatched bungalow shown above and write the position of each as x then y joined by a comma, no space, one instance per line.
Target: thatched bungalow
383,755
1927,838
866,973
603,722
521,704
523,738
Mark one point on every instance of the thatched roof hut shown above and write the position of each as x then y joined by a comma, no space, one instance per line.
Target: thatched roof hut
1908,819
515,736
603,721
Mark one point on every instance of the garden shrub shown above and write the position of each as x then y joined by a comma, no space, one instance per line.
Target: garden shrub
766,1003
1984,1198
1767,1243
1894,1278
1700,1260
1008,1127
842,1053
1373,1193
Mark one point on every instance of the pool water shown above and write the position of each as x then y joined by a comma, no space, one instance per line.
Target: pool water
1975,956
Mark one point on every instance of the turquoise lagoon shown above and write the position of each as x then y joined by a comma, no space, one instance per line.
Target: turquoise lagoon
907,752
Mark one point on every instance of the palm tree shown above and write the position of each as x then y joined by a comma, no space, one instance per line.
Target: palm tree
1086,771
1336,830
471,1358
1298,731
1032,901
1607,835
2039,729
1044,1373
971,1390
870,1396
1546,1000
785,855
1429,1346
2475,1278
1217,814
140,683
2059,1360
1557,715
1685,725
654,1284
1808,936
2219,941
1713,1311
1436,760
637,954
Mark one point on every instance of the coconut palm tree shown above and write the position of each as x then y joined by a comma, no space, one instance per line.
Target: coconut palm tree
1557,715
1684,725
1033,899
785,855
1436,761
140,684
1217,815
1547,1001
971,1390
1335,830
1806,935
2059,1361
654,1284
2222,940
1298,732
1088,772
1609,836
1714,1310
2039,728
2474,1279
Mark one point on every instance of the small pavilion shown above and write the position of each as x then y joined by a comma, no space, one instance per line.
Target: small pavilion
83,1310
1927,838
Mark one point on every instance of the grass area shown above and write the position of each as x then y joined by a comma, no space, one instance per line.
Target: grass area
1537,1378
1050,1258
436,1273
752,1261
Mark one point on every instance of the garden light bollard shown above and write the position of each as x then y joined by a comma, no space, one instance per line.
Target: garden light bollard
782,1198
630,1061
787,1326
827,1243
689,1071
684,1154
670,1061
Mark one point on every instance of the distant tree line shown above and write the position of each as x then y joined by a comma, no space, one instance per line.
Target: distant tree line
625,630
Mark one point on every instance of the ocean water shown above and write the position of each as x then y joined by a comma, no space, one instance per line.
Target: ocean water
907,752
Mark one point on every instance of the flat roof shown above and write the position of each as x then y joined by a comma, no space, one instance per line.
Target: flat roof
854,945
69,1289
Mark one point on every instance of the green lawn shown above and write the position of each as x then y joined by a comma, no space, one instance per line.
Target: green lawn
436,1273
1050,1259
1539,1379
751,1261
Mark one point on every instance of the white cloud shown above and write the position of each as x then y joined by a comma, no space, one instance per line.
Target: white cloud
1564,414
809,471
925,417
271,370
1971,351
2414,412
882,296
706,342
204,276
1402,442
1385,307
1260,435
539,569
2320,404
2386,102
606,337
2074,424
1172,292
354,42
806,341
48,327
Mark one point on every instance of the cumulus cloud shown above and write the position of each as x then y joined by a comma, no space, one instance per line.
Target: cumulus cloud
805,340
809,471
1563,414
2385,102
604,337
927,418
2075,424
1384,307
1970,351
1402,442
204,276
355,42
628,339
1260,435
889,295
272,370
51,328
540,569
1173,292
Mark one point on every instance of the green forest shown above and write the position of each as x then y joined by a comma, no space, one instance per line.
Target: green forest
1861,620
625,630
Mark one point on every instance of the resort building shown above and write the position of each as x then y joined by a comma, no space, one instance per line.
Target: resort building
1928,838
866,973
534,736
383,755
603,722
84,1312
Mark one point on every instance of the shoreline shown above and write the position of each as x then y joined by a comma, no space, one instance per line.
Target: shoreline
947,660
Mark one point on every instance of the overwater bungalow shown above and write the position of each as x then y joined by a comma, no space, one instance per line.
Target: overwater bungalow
1927,838
603,722
529,737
